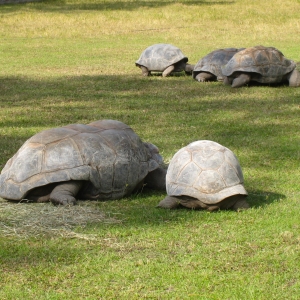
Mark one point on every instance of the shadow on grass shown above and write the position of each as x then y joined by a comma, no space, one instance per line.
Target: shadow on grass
64,6
261,198
256,199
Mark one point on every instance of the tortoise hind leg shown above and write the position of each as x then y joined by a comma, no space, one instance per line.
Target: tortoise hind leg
41,193
64,193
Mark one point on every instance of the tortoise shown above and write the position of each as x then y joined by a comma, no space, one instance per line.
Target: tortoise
163,58
102,160
205,175
260,64
208,68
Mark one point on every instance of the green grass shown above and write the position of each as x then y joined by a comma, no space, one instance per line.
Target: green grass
68,62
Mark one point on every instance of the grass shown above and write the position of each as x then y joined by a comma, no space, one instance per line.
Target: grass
68,62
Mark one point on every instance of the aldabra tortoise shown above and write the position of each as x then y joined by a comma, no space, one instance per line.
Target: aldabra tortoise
260,64
102,160
164,58
205,175
208,68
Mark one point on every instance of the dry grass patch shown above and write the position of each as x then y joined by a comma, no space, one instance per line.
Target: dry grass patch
24,220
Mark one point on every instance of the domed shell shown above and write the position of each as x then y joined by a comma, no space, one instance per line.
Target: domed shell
213,62
269,64
160,56
107,154
205,170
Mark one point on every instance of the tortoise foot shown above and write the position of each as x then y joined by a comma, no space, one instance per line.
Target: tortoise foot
169,202
65,193
241,205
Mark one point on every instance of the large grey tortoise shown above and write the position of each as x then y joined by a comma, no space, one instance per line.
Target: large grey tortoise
208,68
260,64
205,175
164,58
102,160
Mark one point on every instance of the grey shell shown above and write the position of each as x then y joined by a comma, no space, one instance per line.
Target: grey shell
107,154
213,62
205,170
160,56
267,63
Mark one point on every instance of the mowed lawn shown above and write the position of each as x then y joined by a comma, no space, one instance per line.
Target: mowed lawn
65,62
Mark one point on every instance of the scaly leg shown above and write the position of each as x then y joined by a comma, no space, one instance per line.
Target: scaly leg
65,193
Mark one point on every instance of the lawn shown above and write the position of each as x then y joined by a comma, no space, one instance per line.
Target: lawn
73,61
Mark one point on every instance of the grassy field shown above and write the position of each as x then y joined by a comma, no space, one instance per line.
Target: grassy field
73,61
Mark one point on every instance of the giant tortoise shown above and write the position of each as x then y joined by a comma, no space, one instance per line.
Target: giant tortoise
163,58
208,68
102,160
205,175
260,64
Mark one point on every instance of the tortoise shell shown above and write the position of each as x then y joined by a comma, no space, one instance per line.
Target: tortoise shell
267,64
205,170
213,62
160,56
107,154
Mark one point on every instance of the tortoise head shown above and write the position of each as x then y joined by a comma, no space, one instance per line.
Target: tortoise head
155,159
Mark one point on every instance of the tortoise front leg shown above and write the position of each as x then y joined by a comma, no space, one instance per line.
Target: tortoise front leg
294,78
204,76
65,193
145,71
241,80
168,70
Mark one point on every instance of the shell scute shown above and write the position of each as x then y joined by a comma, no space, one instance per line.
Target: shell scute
208,159
188,174
210,181
229,174
27,167
62,154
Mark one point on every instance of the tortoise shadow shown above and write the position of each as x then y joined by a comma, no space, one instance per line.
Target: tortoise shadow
260,198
